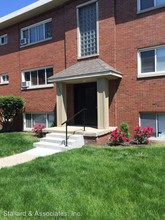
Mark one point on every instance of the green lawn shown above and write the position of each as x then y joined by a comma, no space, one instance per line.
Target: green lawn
91,183
16,142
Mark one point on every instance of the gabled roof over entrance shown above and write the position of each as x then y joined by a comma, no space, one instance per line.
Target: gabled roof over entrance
87,70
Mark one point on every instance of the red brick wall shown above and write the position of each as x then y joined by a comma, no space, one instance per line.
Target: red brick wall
101,140
134,31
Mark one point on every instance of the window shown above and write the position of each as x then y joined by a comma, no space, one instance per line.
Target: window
36,78
30,119
3,39
4,79
156,121
87,29
148,4
151,62
36,33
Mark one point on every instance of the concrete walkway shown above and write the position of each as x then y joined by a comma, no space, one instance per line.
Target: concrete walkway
25,156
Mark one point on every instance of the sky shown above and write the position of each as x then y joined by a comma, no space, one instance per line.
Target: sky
9,6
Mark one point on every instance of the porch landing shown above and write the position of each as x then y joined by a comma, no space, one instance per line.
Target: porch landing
91,135
89,131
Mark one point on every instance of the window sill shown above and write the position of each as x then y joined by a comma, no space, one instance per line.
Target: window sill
86,57
5,83
3,44
145,75
30,44
28,129
38,87
150,9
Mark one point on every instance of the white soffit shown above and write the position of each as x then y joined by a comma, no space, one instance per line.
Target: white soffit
29,11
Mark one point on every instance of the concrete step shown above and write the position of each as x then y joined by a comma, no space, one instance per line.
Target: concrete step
63,135
56,141
53,146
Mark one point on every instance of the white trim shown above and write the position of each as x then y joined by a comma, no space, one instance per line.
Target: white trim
31,26
87,76
46,85
30,11
78,32
89,56
24,10
156,120
149,74
145,75
37,42
2,82
51,85
97,25
5,36
35,113
157,135
86,3
139,120
39,68
139,11
36,24
78,29
138,6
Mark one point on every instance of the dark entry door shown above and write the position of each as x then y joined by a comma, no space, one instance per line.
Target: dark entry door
85,96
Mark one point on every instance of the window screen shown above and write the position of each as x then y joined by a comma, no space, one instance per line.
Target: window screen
148,119
144,4
148,61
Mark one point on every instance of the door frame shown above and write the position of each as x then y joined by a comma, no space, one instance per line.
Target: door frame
83,93
102,102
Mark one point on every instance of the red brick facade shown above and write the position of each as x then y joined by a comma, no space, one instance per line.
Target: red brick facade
122,31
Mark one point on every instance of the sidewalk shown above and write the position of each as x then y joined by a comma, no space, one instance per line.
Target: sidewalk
25,156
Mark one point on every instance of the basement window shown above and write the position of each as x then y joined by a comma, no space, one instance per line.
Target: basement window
31,119
156,121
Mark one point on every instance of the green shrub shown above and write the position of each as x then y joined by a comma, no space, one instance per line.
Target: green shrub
142,135
125,129
10,106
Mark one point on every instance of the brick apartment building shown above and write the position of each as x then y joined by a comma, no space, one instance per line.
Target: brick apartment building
105,55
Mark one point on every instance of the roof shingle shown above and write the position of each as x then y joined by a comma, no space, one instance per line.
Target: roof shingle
84,68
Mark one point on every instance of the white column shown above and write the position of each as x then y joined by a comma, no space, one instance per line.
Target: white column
102,103
61,103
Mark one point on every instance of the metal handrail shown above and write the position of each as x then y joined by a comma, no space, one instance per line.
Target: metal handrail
66,122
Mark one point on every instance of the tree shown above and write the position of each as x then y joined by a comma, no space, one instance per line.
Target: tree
10,106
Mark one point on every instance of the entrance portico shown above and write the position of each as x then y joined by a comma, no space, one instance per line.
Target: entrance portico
91,74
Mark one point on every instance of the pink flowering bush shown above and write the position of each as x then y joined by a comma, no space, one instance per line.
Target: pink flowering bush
38,130
117,137
142,134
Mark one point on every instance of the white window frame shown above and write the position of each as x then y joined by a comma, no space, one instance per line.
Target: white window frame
5,37
31,26
30,86
139,10
2,81
156,121
36,113
78,29
149,74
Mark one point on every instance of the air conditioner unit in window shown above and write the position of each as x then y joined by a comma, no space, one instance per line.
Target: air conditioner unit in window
25,84
23,41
